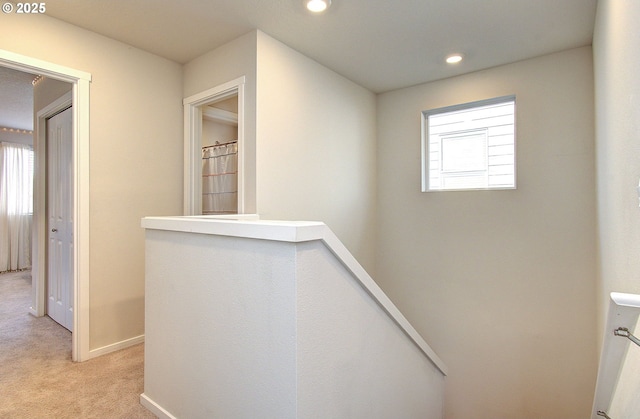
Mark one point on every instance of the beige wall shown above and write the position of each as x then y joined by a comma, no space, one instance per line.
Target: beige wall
16,137
315,147
500,283
617,66
214,131
312,143
45,93
136,157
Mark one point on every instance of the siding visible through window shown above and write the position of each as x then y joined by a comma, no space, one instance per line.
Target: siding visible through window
470,146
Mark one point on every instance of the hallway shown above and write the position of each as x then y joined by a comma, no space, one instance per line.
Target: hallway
37,377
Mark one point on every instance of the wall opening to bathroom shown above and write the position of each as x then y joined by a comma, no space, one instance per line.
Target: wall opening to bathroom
214,131
220,157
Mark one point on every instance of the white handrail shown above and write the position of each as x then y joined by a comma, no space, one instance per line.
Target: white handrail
624,310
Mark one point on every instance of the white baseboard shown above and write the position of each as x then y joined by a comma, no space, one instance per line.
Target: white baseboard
155,408
115,346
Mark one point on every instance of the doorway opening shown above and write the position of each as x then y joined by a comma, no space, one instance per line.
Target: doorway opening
214,150
80,199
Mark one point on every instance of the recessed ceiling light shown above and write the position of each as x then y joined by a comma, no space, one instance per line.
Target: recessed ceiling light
317,6
454,58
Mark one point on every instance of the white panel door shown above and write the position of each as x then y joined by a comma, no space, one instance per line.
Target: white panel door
60,219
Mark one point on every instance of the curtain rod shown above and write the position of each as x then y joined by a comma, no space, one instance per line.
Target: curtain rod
218,144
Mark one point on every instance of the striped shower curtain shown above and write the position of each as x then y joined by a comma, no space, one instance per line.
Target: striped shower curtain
220,178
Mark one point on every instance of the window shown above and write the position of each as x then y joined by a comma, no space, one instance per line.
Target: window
16,179
16,205
470,146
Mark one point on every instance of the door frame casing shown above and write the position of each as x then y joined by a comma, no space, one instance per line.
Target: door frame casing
193,143
80,81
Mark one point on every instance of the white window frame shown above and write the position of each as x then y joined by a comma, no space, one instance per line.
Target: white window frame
480,172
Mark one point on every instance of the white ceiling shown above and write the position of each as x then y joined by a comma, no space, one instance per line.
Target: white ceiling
16,99
379,44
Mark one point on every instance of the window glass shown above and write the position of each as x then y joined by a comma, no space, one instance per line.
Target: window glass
470,146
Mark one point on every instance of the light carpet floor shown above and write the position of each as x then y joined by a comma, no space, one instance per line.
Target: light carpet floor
38,379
